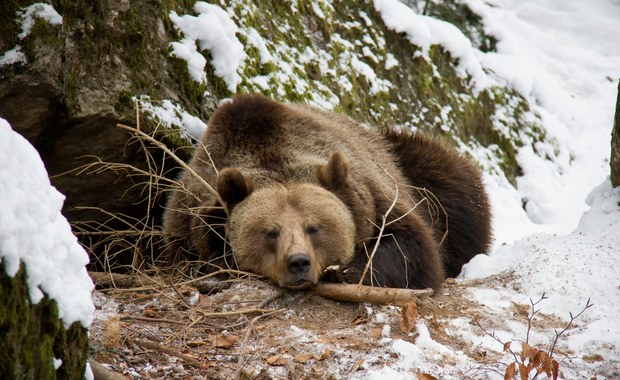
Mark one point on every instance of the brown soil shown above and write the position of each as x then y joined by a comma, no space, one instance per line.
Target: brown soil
234,333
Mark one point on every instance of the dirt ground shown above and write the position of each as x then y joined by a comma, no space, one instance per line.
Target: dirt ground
253,330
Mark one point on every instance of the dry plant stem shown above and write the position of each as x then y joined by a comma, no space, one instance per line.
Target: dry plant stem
370,294
166,350
381,229
101,372
163,147
247,336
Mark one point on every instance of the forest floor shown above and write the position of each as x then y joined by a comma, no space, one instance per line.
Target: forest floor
253,330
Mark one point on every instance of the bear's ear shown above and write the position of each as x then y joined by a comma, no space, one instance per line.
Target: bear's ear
334,174
233,187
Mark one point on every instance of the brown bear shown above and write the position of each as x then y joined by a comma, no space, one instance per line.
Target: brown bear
300,190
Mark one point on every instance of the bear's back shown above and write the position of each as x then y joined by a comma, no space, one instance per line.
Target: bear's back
274,142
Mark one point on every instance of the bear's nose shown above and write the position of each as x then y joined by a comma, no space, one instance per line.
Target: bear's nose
299,263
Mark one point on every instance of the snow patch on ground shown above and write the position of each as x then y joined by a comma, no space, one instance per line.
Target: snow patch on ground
34,232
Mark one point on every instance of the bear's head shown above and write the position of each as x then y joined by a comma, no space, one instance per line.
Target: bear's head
289,232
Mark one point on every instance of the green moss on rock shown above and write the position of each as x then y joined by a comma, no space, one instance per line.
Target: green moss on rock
33,335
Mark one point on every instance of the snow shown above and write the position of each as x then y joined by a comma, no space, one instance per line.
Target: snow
564,58
569,72
170,114
13,56
27,18
37,10
34,232
211,30
424,31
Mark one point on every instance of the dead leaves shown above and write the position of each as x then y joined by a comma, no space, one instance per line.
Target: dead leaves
223,341
277,360
408,316
425,376
281,359
112,332
531,359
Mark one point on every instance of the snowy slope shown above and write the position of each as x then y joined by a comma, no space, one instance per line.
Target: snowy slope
564,57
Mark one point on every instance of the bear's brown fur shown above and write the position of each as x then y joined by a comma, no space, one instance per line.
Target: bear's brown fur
305,189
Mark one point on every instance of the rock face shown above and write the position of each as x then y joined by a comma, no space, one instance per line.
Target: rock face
615,145
78,78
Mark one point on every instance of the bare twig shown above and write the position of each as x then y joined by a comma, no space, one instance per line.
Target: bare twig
533,312
381,228
247,336
182,163
572,319
101,372
166,350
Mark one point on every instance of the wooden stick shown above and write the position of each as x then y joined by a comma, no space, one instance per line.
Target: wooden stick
108,280
100,372
370,294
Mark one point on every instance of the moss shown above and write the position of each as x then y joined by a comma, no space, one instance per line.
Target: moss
33,335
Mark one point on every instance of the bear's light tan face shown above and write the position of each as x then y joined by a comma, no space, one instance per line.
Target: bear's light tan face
291,234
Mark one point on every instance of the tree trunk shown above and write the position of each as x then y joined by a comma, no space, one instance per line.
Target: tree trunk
615,145
32,335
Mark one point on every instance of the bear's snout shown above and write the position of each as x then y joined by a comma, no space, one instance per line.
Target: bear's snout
299,264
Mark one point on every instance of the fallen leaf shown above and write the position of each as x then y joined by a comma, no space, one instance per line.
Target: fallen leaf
375,333
592,358
303,358
324,355
408,315
112,332
358,363
276,360
196,343
425,376
223,341
149,311
359,320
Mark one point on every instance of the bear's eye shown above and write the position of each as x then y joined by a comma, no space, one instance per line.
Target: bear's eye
272,234
312,230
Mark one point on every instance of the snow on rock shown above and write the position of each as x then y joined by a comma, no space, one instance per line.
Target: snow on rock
172,114
13,56
37,11
33,231
27,18
211,30
424,31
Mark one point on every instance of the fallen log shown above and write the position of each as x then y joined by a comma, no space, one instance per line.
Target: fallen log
370,294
